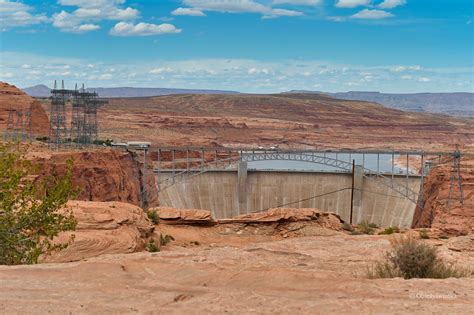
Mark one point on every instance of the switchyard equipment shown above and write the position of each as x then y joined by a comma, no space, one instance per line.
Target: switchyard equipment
19,127
84,125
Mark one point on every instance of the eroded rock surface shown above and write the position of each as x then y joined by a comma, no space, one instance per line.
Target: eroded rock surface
455,218
183,216
292,276
102,175
104,228
13,98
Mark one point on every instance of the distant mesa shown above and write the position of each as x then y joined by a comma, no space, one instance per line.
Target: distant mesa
44,91
456,104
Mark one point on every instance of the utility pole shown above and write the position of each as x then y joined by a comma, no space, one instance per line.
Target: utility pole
352,189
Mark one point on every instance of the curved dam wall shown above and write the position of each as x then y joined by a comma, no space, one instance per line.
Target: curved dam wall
230,193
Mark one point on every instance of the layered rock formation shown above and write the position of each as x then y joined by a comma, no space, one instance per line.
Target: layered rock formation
103,228
290,120
455,218
102,175
184,216
12,98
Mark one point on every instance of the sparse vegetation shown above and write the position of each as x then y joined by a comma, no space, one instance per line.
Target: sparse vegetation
390,230
424,234
152,247
366,228
32,211
412,258
165,239
153,216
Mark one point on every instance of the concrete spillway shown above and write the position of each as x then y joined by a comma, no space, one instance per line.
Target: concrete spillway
230,193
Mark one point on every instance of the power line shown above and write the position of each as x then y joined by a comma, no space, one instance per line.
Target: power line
309,198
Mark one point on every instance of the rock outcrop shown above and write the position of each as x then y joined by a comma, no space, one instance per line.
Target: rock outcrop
325,219
102,175
455,219
104,228
184,216
12,98
273,216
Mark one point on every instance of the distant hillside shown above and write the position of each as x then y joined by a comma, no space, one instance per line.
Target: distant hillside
44,91
457,104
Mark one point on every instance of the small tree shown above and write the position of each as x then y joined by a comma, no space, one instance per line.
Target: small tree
31,210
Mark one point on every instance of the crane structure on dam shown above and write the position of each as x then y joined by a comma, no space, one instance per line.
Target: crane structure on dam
83,130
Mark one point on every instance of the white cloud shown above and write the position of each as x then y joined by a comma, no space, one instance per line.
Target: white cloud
351,3
90,12
161,70
258,71
406,68
369,14
88,27
246,75
240,6
143,29
17,14
390,4
188,11
6,75
298,2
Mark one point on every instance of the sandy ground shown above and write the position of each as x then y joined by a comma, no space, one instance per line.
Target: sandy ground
238,274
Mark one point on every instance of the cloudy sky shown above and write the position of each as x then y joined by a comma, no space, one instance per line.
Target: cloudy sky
246,45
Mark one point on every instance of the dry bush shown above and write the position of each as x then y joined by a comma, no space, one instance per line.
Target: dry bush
412,258
390,230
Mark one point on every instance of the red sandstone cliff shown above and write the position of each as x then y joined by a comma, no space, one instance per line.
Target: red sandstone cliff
456,219
102,175
13,98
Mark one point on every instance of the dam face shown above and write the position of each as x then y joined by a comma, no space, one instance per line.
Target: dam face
229,193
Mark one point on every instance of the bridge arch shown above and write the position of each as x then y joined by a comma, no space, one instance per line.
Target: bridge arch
253,156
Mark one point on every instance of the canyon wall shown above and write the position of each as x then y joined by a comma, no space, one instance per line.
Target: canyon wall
455,218
102,175
13,98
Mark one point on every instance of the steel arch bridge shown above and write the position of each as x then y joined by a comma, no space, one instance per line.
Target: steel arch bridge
230,163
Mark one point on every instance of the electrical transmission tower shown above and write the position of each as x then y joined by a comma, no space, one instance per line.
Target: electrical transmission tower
84,127
57,118
456,179
18,125
77,121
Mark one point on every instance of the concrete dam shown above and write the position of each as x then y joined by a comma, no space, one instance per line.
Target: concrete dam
228,193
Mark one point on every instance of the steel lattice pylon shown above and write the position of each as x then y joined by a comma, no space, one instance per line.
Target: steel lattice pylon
84,126
57,118
18,125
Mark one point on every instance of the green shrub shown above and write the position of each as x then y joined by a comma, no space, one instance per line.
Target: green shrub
153,216
366,228
32,210
152,247
390,230
411,258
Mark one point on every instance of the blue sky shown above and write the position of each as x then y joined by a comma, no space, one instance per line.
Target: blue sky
259,46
